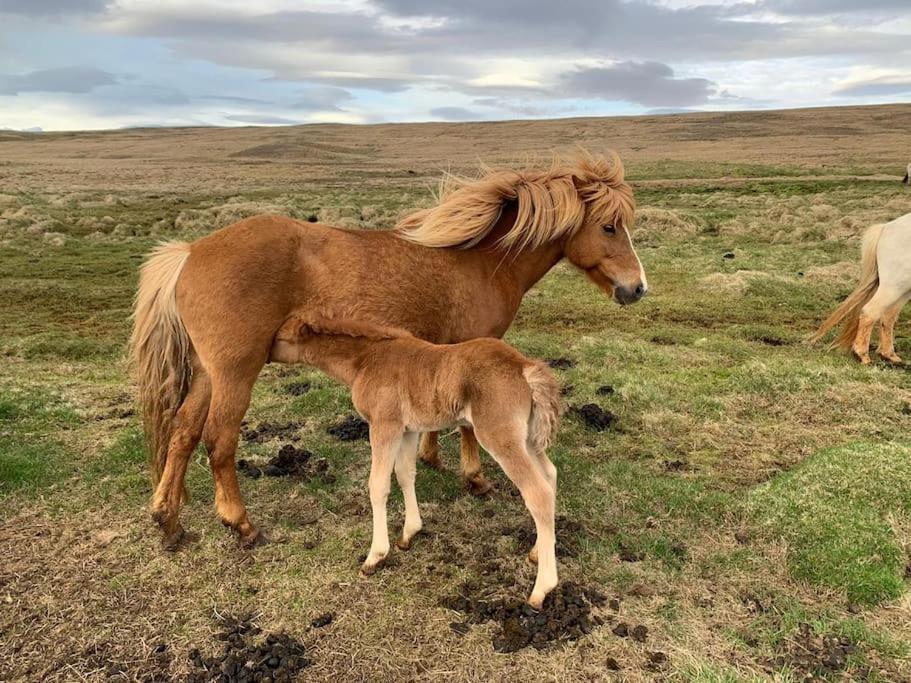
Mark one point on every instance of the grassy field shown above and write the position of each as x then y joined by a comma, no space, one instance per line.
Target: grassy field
750,506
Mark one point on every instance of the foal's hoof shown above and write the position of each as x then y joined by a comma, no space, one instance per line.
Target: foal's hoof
894,359
253,540
405,544
477,485
368,570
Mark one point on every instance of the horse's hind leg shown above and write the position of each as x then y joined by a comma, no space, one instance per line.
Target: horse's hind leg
470,459
405,466
506,444
887,333
550,474
230,399
185,434
873,311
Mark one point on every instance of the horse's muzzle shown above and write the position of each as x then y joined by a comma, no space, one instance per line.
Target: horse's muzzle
630,295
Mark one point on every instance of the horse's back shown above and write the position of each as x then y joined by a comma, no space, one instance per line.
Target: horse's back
238,286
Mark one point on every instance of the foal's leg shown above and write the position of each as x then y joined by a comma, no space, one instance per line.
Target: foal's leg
185,434
470,457
405,472
506,444
550,474
430,450
230,399
887,333
884,299
384,444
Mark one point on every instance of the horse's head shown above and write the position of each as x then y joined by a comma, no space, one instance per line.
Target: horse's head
586,207
602,246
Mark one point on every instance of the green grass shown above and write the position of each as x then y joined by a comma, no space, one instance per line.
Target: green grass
726,422
836,510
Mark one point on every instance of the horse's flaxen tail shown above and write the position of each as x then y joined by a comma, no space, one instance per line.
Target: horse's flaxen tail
160,348
850,308
546,406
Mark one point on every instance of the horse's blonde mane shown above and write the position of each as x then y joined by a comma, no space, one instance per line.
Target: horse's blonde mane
550,204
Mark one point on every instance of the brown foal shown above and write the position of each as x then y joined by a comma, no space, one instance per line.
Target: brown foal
207,312
404,386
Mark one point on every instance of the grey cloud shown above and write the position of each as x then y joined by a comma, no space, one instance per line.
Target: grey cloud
48,8
455,114
648,83
322,99
262,119
65,79
481,29
877,87
828,7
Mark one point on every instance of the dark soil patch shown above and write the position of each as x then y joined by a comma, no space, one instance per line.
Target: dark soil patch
277,657
567,389
266,431
566,615
297,388
770,340
815,655
322,620
569,535
352,428
561,363
604,390
594,416
290,461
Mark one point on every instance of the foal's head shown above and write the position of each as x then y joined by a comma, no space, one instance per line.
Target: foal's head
602,245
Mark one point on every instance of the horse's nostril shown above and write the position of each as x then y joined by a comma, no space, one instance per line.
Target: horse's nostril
640,291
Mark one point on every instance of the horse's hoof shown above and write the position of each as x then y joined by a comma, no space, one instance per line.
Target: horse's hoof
253,540
477,485
171,542
864,358
893,360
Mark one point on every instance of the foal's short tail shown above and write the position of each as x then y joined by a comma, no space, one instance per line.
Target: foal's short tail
160,348
546,406
850,308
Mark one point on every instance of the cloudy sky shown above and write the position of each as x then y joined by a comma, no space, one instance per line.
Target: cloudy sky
81,64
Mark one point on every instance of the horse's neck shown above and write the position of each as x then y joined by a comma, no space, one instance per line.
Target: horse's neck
526,268
338,355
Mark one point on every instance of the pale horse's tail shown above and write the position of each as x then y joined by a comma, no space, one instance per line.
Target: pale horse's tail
850,308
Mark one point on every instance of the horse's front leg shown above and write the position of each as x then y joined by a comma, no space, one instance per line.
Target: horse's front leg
430,450
470,456
385,441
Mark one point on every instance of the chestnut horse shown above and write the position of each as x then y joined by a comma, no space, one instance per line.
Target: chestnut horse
206,313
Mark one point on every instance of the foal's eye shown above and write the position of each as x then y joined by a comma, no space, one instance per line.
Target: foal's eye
610,229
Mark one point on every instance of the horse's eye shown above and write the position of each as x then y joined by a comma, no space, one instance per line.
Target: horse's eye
610,229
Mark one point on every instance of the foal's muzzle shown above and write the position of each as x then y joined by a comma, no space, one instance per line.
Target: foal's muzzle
630,295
